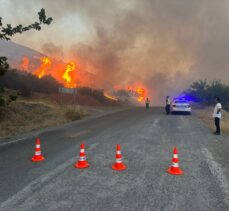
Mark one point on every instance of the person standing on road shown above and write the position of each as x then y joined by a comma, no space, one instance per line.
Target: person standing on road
217,115
147,103
167,105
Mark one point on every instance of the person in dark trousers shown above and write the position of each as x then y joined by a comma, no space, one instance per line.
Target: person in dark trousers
217,115
147,103
167,105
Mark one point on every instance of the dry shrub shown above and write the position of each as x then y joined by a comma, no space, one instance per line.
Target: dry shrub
205,114
225,121
24,116
75,114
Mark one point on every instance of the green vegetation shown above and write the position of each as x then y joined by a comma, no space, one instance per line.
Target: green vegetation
204,92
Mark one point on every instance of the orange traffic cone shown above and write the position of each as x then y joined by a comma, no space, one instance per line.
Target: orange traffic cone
82,163
118,165
37,156
175,169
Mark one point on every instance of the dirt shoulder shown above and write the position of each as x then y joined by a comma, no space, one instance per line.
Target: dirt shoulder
205,114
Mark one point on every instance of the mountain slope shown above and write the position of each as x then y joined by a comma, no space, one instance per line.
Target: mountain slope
15,52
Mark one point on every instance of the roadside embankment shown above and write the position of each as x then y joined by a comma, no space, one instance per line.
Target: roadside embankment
41,111
21,117
205,114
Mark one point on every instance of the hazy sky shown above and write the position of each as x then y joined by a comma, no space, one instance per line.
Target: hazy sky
164,44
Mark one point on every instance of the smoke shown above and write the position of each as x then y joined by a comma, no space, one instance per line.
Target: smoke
53,50
162,44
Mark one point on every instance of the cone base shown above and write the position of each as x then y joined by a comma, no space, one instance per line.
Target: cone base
34,159
175,172
81,166
119,167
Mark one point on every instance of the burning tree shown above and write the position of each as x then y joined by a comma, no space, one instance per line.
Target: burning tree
6,32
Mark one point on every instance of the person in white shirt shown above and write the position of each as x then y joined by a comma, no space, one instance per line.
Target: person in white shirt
217,115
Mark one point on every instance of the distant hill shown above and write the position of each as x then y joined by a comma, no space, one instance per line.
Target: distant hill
15,52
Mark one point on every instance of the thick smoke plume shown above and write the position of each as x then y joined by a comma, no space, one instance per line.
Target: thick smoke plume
163,44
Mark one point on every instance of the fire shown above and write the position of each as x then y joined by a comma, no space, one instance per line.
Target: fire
24,63
67,76
45,64
63,72
138,91
142,94
110,97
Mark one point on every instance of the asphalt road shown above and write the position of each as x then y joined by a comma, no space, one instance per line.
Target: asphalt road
147,139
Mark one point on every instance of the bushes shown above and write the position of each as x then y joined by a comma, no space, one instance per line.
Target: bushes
25,91
27,83
6,98
75,114
205,92
72,115
2,101
13,97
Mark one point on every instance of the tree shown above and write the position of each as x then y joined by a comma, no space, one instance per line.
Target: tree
6,32
205,92
9,31
4,66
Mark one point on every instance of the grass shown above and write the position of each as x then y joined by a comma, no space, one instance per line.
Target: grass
74,114
25,116
205,114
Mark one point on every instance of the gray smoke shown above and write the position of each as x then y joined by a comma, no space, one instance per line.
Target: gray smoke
53,50
164,44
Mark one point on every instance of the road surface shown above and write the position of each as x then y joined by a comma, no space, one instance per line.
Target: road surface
147,139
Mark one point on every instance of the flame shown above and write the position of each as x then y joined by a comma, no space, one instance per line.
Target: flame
110,97
62,72
41,71
24,63
136,90
142,94
68,78
139,91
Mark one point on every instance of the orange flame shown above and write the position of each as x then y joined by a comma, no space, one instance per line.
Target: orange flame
41,71
141,92
110,97
68,78
137,91
24,63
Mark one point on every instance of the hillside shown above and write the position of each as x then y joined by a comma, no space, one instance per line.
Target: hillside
15,52
43,110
